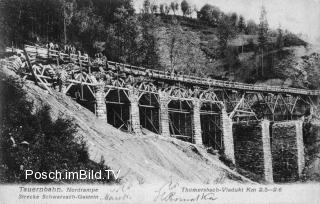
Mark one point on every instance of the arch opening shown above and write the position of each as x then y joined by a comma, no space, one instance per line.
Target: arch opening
180,120
83,95
149,112
210,117
118,109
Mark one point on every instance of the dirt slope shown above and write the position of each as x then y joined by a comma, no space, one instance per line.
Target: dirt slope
141,159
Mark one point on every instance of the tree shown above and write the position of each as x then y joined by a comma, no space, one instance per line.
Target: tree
154,8
23,21
167,9
263,35
210,13
195,9
32,140
280,42
184,7
77,21
234,19
86,29
225,32
263,28
162,11
241,24
146,6
189,11
174,7
68,12
179,50
147,49
121,37
252,28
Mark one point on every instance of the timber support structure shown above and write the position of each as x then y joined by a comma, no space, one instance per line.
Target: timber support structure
210,113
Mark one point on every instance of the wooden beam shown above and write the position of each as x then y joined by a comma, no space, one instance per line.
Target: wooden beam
35,75
179,111
83,83
237,106
29,65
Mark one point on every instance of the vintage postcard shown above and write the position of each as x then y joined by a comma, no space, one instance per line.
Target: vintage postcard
159,101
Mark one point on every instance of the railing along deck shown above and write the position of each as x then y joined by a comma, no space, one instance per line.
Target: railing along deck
48,53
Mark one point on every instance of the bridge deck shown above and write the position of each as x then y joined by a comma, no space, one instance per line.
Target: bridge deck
45,53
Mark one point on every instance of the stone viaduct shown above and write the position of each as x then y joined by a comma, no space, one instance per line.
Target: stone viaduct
258,128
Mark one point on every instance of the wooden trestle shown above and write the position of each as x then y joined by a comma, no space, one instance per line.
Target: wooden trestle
159,95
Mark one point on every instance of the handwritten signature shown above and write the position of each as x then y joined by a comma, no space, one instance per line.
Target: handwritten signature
119,193
170,192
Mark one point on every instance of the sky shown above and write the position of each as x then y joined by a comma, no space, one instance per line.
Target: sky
298,16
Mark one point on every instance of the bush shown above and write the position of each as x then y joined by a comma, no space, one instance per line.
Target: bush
290,39
32,141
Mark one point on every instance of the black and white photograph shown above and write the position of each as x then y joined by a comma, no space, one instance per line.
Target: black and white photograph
159,101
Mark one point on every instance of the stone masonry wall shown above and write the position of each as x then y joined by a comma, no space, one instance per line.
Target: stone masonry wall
227,135
196,122
101,108
252,149
134,112
164,114
287,151
311,138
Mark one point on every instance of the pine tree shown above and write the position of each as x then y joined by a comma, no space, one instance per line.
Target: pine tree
263,35
280,42
263,28
241,24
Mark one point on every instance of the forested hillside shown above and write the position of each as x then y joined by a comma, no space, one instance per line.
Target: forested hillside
214,44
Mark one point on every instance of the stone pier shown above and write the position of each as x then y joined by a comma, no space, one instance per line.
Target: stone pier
266,147
164,113
134,111
101,108
287,151
197,136
227,135
300,147
252,149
